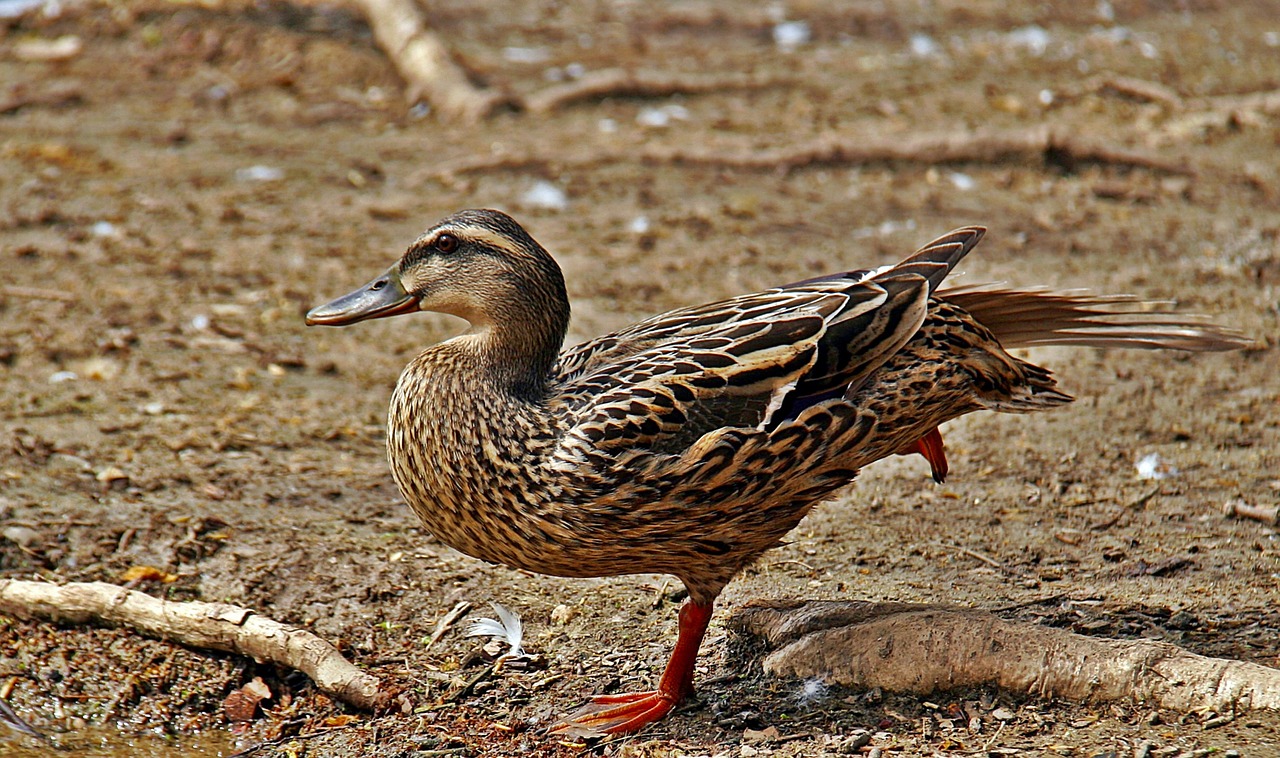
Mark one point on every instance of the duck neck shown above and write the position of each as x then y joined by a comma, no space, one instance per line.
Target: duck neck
520,347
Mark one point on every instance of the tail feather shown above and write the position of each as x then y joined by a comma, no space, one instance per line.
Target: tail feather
1033,317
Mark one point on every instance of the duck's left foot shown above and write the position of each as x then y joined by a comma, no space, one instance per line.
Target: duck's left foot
616,714
631,712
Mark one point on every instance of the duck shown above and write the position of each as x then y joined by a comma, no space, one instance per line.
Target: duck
691,442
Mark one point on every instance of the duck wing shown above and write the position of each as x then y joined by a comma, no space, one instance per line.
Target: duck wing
749,362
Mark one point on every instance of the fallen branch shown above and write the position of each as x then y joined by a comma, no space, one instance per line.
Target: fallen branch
424,62
924,649
212,626
845,149
1263,101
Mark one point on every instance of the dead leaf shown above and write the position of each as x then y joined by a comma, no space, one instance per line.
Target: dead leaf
147,574
242,704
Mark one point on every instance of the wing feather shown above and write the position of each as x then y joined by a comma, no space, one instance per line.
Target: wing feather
750,362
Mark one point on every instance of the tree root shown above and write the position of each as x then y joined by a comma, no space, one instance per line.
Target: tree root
927,648
993,146
212,626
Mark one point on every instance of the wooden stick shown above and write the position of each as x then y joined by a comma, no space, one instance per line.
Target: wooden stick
212,626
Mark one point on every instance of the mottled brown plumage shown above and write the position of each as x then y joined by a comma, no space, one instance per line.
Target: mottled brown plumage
691,442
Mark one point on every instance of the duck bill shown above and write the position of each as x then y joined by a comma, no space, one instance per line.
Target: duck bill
382,297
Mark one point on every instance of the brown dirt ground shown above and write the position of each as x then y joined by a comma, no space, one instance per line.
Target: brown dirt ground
208,433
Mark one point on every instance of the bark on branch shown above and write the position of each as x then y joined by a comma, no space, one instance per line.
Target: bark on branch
211,626
924,649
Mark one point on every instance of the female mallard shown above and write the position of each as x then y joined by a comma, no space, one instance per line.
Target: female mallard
692,442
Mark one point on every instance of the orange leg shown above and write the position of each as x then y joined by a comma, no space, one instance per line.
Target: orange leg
630,712
931,447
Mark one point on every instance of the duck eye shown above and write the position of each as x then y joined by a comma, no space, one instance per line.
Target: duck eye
446,243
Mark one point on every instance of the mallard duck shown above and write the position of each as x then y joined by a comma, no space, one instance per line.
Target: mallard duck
691,442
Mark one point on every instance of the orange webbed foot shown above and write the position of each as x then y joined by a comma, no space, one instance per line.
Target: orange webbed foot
631,712
616,714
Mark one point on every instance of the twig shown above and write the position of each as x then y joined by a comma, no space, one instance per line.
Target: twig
992,741
1142,499
1138,89
37,293
1269,514
1134,504
975,554
617,82
470,683
212,626
459,610
18,724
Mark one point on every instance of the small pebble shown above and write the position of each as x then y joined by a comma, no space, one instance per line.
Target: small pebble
923,46
962,182
545,195
789,35
21,535
105,229
526,54
660,118
259,174
1034,38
